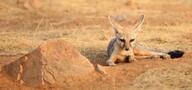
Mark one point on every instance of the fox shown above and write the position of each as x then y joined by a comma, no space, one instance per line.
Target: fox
123,47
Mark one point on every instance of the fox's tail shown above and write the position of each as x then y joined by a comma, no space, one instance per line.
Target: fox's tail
172,53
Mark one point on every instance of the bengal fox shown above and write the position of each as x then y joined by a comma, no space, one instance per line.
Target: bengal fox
124,47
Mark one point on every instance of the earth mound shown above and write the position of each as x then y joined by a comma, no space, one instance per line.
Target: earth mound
54,62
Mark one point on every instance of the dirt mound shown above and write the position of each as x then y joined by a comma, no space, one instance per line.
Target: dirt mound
54,62
166,78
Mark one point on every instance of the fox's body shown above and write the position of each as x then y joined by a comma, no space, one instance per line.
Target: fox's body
117,52
124,47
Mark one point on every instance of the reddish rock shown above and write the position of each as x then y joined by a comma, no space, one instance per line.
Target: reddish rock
53,62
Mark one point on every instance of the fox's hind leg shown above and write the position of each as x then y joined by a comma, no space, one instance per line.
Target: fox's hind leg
151,54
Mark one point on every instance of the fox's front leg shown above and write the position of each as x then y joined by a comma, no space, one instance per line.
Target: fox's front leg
111,60
128,55
151,54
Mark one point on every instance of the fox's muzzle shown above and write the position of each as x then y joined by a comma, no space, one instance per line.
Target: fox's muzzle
127,49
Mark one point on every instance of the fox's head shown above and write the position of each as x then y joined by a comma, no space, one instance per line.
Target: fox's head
126,37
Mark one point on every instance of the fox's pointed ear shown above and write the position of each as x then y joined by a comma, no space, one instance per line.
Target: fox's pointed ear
115,30
139,23
116,27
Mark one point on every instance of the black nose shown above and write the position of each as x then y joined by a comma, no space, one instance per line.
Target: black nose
126,49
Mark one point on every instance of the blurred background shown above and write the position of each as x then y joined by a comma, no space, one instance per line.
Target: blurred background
24,24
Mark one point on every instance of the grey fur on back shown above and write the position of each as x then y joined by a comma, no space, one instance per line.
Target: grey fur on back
111,46
141,47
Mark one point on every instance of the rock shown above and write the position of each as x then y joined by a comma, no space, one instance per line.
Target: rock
54,62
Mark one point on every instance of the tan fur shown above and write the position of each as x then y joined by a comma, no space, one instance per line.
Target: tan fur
138,52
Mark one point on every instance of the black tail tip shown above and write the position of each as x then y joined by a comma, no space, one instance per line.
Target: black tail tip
176,54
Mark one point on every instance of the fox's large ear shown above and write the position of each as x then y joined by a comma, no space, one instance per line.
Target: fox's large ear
139,23
116,27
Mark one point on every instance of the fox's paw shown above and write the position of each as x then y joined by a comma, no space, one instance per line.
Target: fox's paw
132,59
110,63
165,56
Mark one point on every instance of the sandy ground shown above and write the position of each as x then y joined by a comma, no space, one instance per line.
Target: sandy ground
84,23
145,74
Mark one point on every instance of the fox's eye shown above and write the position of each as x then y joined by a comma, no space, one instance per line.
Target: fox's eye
122,40
132,40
